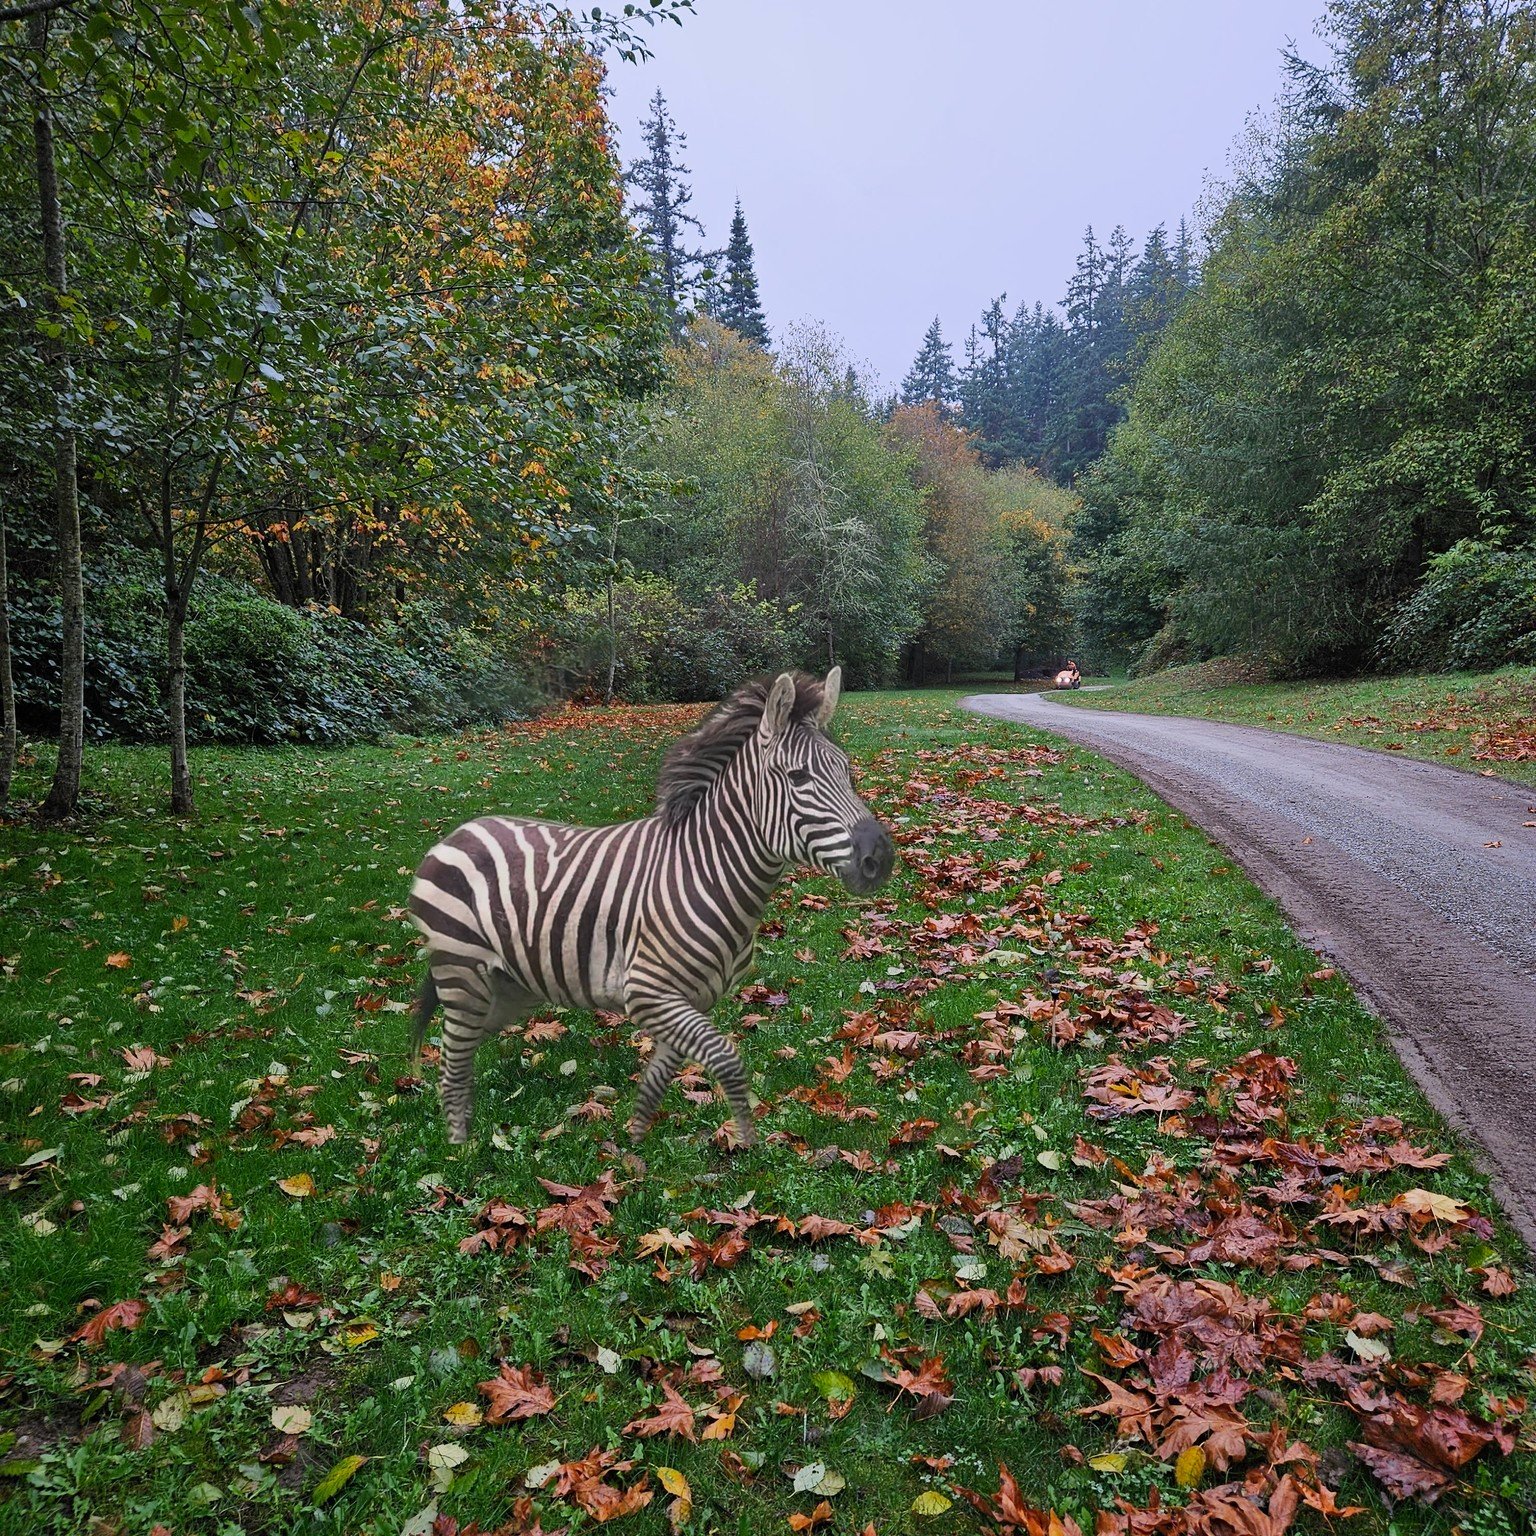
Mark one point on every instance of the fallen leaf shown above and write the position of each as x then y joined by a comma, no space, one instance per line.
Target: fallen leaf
674,1417
337,1478
516,1392
292,1419
818,1516
1190,1467
126,1315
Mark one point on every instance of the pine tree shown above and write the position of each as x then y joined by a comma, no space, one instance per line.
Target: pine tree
987,387
1153,295
1185,267
738,305
661,211
932,376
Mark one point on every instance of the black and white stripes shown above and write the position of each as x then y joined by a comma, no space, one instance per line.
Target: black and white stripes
655,918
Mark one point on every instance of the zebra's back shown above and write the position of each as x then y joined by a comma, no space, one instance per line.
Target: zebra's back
553,906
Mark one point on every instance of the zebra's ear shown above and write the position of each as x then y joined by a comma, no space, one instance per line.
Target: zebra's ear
776,712
830,690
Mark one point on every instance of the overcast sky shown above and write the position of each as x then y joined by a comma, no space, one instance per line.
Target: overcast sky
898,159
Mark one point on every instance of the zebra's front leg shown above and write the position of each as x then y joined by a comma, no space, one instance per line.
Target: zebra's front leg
691,1036
654,1082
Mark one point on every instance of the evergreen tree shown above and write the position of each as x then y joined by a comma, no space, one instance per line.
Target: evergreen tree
738,305
661,211
1184,265
1152,295
932,376
988,407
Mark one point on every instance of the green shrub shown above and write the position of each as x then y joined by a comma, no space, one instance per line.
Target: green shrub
258,672
1474,610
671,647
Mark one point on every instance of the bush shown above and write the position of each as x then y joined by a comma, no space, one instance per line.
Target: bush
670,647
257,672
1474,610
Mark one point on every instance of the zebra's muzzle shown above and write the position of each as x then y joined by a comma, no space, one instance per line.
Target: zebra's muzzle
869,866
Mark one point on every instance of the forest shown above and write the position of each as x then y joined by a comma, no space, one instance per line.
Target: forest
353,383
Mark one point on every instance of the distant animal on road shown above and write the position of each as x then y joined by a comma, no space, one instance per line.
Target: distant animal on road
655,918
1069,676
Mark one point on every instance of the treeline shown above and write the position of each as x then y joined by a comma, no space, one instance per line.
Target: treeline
803,522
1313,441
798,516
1329,458
1044,388
349,384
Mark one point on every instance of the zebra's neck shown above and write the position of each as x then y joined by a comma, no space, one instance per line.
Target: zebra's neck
727,859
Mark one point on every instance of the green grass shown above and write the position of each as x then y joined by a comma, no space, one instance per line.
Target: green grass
259,954
1482,721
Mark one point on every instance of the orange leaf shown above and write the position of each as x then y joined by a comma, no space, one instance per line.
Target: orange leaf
674,1417
517,1392
126,1315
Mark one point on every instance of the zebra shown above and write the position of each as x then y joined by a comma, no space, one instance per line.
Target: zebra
654,918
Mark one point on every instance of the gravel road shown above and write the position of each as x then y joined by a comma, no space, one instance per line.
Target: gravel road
1418,880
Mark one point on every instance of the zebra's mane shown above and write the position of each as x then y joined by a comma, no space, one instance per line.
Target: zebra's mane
693,762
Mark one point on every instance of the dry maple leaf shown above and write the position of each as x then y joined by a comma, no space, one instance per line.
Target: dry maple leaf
725,1252
579,1210
1444,1436
815,1227
168,1246
674,1417
1403,1476
516,1392
205,1197
1011,1515
927,1384
1132,1410
313,1136
121,1314
818,1516
963,1303
584,1484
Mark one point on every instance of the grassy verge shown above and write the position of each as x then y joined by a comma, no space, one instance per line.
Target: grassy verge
1073,1161
1483,721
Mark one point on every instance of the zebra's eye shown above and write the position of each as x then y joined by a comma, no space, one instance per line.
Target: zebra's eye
799,776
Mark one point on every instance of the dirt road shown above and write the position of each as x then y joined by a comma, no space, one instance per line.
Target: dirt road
1418,880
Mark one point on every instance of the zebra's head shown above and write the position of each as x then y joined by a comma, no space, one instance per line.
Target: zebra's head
807,810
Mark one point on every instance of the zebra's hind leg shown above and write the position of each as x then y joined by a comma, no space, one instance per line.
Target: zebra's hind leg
690,1035
654,1082
477,1004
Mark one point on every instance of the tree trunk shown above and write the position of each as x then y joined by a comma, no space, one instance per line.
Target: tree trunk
64,796
613,642
1018,663
613,624
176,700
7,687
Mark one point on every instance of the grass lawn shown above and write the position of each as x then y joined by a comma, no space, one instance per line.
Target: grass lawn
1483,721
1072,1159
